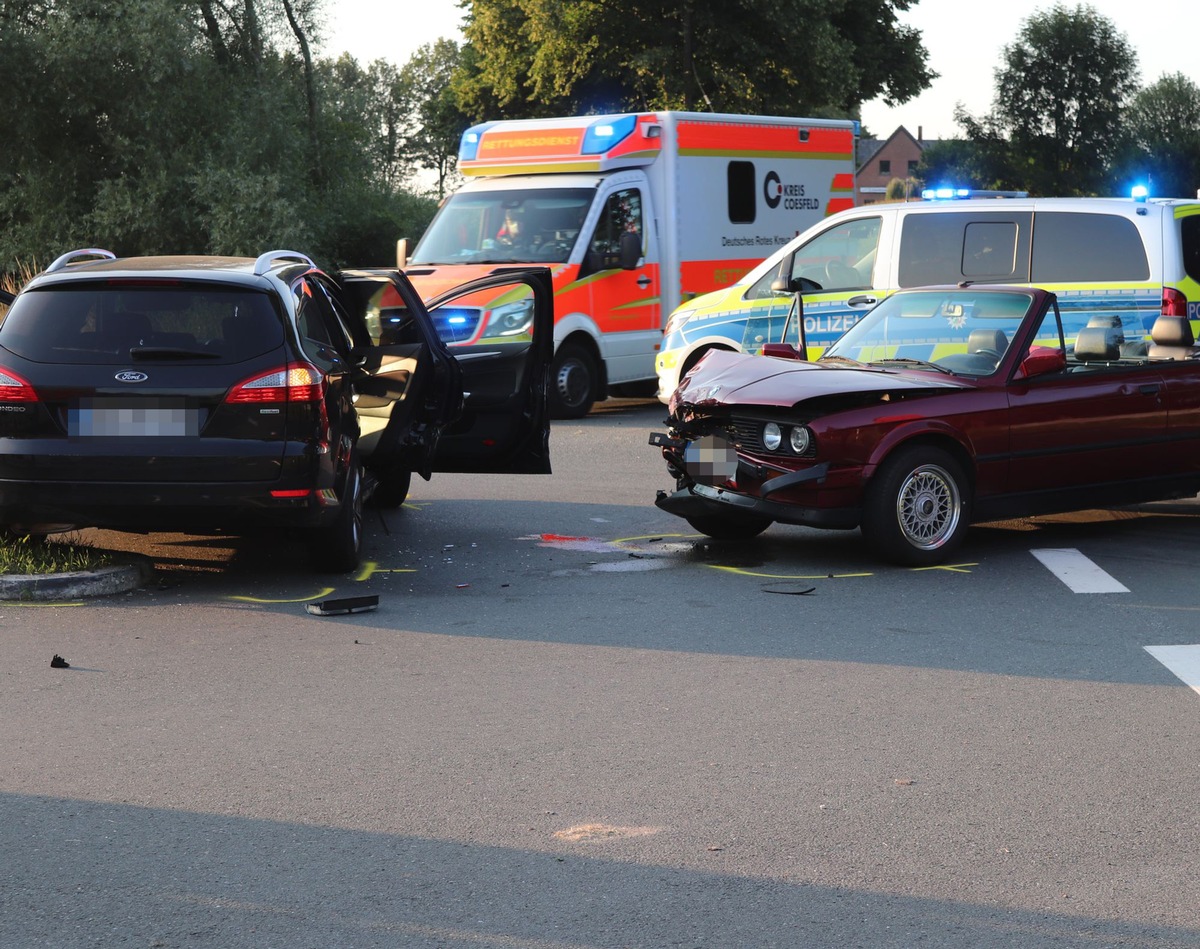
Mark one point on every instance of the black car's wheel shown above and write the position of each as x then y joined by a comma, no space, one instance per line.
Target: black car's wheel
730,527
573,382
916,507
391,490
336,548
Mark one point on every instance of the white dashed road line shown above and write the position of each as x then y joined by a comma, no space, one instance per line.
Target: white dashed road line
1183,661
1077,572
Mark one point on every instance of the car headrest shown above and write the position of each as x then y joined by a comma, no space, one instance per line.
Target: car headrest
1098,343
993,340
1172,331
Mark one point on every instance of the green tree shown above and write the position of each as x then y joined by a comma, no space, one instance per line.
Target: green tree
982,160
1163,122
813,57
436,123
1060,100
205,128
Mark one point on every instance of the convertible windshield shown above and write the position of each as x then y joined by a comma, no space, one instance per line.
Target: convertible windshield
956,331
531,226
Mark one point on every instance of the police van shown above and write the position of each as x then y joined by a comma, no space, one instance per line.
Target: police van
1113,262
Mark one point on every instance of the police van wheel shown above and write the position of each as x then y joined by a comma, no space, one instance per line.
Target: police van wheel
573,382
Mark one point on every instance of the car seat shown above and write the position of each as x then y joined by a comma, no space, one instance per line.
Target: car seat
1171,337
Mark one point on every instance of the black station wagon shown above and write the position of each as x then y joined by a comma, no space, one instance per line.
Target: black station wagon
221,394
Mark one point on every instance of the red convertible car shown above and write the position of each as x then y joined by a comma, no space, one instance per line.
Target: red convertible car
939,408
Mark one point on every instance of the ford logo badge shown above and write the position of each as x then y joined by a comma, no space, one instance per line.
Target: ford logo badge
130,375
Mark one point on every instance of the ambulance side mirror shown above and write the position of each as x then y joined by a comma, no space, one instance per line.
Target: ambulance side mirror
629,251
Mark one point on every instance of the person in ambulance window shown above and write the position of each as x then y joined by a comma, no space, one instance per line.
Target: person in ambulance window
510,230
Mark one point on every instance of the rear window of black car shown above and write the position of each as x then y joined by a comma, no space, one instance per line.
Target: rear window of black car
101,323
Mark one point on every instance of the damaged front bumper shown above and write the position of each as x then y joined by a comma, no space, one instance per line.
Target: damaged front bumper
696,499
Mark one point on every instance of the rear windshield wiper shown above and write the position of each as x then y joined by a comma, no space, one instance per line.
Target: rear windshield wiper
904,361
171,352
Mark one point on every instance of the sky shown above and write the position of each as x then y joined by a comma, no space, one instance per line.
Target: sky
964,42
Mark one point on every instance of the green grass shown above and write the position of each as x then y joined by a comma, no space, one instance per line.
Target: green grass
35,555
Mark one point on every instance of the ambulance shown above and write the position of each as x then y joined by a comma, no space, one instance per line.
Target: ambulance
633,214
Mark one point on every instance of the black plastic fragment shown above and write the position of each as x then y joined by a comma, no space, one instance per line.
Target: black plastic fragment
349,604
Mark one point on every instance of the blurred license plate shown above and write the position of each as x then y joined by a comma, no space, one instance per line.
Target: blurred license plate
129,421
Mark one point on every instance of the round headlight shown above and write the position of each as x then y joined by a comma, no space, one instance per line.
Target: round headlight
772,436
799,439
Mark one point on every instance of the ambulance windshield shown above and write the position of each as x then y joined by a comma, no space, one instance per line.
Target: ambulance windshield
495,227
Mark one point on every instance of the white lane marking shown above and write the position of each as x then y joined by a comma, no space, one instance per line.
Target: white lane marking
1183,661
1077,572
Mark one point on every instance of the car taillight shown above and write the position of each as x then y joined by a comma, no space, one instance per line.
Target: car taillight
296,383
15,389
1174,303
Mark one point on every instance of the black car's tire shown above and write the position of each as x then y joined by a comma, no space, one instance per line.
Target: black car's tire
391,490
336,548
917,507
730,527
573,382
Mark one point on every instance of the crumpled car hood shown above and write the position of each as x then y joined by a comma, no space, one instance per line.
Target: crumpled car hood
740,379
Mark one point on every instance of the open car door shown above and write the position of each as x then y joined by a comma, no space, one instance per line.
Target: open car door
477,403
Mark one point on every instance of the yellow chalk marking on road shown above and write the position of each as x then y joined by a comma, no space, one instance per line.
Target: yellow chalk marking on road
300,599
951,567
630,540
370,568
5,603
787,576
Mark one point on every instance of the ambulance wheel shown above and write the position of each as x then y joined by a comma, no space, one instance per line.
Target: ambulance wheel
573,382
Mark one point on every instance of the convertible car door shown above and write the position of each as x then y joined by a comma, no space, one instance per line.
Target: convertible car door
477,405
1096,426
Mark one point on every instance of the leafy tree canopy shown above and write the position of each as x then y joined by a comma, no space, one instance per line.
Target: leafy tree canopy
812,57
149,126
1056,124
1163,122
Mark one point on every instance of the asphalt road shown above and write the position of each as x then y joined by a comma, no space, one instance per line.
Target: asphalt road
573,723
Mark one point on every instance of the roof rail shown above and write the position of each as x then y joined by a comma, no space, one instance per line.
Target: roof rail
267,260
83,252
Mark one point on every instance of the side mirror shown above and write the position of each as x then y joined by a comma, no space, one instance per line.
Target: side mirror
782,351
629,251
795,285
1041,360
402,253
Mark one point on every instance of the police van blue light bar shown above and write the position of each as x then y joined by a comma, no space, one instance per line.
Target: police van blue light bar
945,194
961,194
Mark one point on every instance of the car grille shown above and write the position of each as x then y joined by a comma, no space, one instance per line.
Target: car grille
746,434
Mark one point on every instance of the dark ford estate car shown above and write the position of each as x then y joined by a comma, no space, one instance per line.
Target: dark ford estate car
209,394
941,407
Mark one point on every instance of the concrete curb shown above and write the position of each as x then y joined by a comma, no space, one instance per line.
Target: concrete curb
103,581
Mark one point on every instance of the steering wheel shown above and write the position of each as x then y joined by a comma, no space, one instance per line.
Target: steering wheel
552,250
840,274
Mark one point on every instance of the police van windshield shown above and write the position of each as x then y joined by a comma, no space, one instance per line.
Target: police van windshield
528,226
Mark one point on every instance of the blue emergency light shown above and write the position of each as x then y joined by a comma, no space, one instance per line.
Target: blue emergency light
609,131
